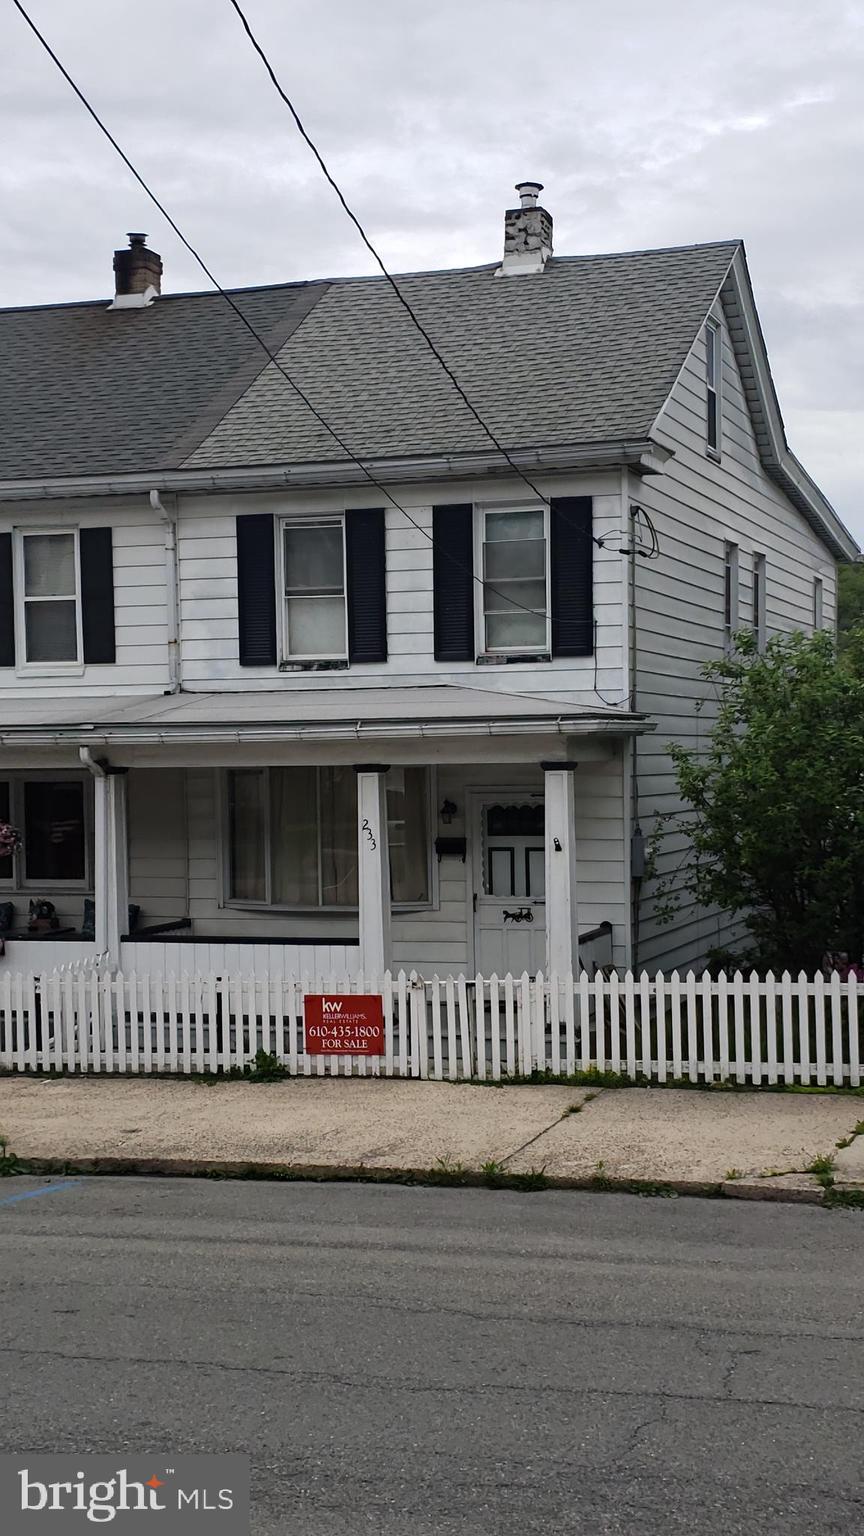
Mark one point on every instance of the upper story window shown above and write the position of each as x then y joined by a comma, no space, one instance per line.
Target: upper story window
712,383
49,609
759,601
314,621
515,591
817,602
730,593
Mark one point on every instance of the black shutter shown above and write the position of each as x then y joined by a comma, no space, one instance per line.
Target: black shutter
572,573
453,578
256,590
97,594
367,584
7,611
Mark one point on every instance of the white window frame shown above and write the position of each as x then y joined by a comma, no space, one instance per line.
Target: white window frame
713,385
818,604
731,593
19,881
760,585
480,513
45,668
229,901
311,520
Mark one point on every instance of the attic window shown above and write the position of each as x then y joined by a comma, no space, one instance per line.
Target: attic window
712,382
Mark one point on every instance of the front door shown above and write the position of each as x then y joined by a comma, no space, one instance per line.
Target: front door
509,884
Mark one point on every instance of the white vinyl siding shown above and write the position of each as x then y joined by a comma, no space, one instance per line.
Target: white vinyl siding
699,506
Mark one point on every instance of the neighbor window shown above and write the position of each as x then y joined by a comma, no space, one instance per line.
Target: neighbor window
292,836
515,569
313,582
730,593
712,382
48,588
759,601
52,816
817,602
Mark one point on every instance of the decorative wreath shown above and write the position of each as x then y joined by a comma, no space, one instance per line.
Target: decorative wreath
10,840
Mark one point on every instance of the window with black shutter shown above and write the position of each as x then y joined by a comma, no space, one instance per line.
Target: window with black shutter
7,607
63,585
572,575
453,580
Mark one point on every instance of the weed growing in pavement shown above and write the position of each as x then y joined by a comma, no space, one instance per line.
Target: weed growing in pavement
732,1174
9,1163
822,1167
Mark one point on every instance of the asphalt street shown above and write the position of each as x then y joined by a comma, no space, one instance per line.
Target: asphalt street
447,1360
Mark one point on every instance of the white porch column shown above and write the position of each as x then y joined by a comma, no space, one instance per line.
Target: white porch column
373,870
111,860
562,915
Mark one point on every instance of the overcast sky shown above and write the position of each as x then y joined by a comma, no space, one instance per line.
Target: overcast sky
650,124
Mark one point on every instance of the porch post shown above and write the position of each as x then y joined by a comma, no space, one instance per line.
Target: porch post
562,916
111,862
373,866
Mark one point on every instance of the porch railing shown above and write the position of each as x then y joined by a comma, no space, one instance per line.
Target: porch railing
750,1030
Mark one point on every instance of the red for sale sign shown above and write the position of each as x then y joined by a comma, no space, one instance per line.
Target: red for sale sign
343,1023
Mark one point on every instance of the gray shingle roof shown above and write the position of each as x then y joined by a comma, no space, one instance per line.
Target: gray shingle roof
583,352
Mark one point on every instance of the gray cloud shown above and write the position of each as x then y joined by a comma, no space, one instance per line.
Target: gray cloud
649,125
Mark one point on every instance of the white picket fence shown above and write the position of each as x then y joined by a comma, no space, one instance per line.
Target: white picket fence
742,1029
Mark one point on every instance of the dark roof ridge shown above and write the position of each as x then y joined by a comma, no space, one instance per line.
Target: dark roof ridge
375,277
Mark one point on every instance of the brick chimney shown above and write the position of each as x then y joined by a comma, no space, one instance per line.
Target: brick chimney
527,233
137,275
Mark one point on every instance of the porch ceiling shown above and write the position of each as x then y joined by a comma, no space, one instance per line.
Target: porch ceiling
363,715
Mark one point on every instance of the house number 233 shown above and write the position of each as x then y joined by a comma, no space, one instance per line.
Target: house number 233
369,833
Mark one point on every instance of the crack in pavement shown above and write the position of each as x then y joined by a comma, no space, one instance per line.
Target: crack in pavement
564,1115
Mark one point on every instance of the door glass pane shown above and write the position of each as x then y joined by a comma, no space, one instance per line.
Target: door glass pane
501,872
515,629
535,873
49,565
294,836
247,825
51,631
316,626
407,826
54,830
338,837
313,559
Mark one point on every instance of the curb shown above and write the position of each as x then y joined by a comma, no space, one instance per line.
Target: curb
318,1173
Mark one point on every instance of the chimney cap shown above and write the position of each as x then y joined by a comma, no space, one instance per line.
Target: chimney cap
135,239
529,191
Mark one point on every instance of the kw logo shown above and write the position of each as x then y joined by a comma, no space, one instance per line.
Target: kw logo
332,1007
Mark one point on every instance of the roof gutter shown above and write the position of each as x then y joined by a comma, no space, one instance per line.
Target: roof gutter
642,455
272,733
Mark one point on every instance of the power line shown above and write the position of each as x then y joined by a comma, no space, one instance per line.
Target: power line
410,311
197,257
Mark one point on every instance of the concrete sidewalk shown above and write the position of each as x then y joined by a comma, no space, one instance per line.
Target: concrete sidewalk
744,1144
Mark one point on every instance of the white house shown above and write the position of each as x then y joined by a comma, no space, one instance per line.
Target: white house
410,713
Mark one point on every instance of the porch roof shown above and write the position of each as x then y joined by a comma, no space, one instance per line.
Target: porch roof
335,714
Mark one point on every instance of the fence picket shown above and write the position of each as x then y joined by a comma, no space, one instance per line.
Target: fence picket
675,1000
788,1040
524,1021
804,1026
480,1025
464,1027
804,1029
723,1026
754,993
630,1023
599,986
510,1025
555,1021
494,1028
740,1046
660,1026
645,1023
852,997
615,1022
452,1057
707,1027
437,1043
584,1019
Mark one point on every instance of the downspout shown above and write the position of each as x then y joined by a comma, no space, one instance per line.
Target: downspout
637,840
172,597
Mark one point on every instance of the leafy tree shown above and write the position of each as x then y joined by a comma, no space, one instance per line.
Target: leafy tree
776,819
850,600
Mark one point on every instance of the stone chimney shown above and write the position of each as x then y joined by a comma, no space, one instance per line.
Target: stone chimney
527,233
137,275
